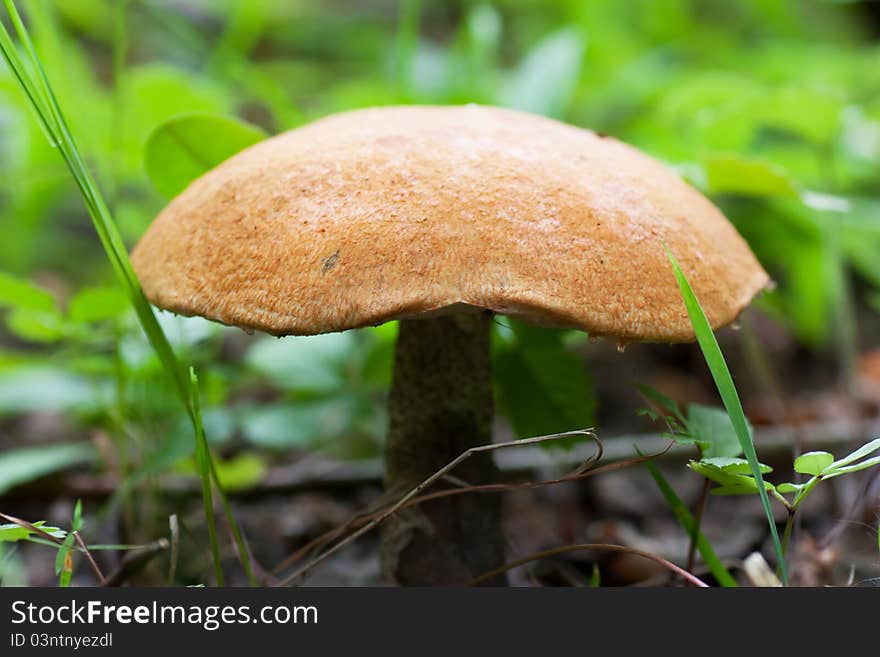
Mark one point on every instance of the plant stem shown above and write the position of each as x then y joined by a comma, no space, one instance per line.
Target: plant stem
786,536
698,519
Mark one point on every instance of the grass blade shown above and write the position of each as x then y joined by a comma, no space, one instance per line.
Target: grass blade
38,90
203,465
730,397
686,519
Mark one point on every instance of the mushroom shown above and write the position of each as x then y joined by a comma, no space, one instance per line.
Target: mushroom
441,217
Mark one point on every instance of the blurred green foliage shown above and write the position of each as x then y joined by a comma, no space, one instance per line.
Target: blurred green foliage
772,107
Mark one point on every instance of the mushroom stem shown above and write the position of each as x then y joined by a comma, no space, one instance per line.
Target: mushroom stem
441,405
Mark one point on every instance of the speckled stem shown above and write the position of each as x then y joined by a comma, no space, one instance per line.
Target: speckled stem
440,405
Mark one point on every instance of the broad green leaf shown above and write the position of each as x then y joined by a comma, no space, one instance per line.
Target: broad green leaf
185,147
36,325
97,304
301,423
34,389
734,174
241,472
543,387
545,81
748,488
713,431
25,464
813,463
157,92
730,397
17,293
813,114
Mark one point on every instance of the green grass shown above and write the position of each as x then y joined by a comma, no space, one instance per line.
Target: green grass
687,521
34,82
730,397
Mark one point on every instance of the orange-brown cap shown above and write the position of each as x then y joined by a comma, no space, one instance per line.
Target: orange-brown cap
396,212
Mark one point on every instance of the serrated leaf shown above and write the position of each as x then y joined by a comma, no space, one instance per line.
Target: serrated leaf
813,463
734,465
185,147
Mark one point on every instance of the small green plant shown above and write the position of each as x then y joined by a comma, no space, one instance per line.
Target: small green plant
727,391
720,462
733,477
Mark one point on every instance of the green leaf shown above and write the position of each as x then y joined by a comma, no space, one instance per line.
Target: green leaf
316,363
17,293
861,452
157,92
730,397
97,304
855,467
734,465
11,532
713,431
25,464
36,325
302,423
734,174
241,472
63,562
543,387
545,81
813,463
730,474
77,523
663,402
787,488
34,389
185,147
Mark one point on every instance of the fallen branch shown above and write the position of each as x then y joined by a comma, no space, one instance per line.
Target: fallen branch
607,547
582,472
442,472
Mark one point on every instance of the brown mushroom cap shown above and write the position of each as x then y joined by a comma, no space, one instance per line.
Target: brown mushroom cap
390,213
